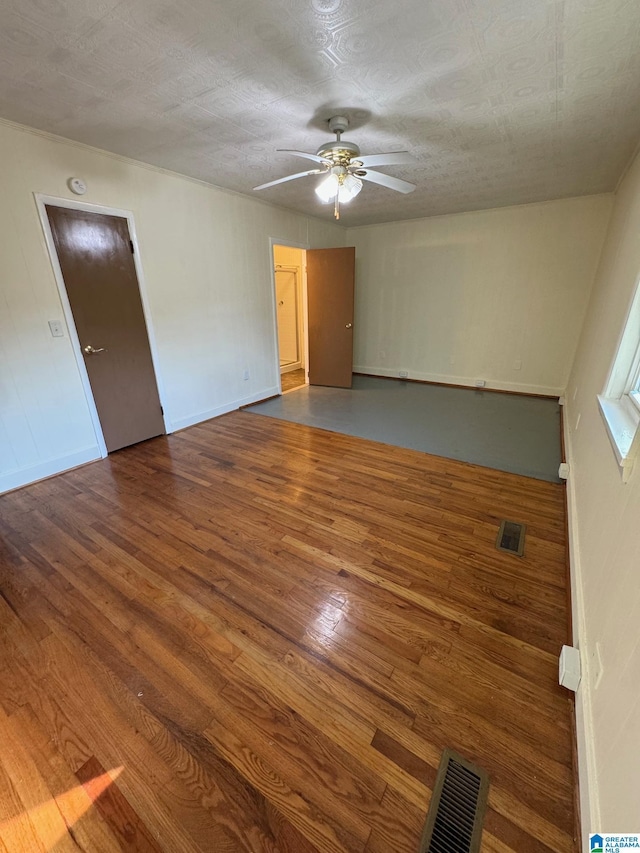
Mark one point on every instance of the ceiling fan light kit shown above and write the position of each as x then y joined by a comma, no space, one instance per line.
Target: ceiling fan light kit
328,187
340,186
344,168
349,188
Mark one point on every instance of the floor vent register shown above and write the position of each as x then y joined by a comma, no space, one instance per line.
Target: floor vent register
511,537
458,805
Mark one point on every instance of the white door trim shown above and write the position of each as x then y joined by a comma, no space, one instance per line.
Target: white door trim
42,200
283,241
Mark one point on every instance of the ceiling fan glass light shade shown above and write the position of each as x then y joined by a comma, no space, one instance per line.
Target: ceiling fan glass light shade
349,188
328,188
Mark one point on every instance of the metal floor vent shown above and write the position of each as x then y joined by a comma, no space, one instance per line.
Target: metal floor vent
458,804
511,537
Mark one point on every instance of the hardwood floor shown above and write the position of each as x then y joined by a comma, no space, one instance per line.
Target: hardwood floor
291,380
255,635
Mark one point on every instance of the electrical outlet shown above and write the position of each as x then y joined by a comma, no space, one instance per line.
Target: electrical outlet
57,329
245,375
480,383
569,668
403,374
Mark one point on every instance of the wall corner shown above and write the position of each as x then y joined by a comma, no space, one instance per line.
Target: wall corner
588,800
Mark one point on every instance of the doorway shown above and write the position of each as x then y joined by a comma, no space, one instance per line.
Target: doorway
313,312
289,270
93,254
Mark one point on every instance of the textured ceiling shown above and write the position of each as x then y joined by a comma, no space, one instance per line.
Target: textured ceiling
500,101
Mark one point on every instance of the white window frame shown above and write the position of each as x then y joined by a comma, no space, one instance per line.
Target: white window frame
633,382
620,400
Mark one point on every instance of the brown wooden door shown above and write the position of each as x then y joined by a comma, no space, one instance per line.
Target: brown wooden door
330,289
95,254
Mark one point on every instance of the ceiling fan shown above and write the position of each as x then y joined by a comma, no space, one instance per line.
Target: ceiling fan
345,169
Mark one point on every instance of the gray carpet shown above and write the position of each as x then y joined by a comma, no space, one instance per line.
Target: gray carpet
510,432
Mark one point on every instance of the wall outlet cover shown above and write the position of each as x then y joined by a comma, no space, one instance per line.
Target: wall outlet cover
403,374
569,670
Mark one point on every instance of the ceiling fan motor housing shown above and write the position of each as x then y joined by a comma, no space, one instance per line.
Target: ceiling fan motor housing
339,152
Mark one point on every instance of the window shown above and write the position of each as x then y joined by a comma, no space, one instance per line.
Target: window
633,384
620,400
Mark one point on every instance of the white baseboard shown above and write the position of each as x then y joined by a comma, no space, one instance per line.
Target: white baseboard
587,775
33,473
24,476
191,420
289,368
446,379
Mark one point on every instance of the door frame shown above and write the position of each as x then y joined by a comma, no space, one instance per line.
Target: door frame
282,241
41,200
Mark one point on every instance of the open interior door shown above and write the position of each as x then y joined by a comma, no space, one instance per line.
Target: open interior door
330,289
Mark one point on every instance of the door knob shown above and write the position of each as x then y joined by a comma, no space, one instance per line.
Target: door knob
90,350
349,326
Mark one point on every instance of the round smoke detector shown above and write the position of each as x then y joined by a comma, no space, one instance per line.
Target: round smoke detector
77,186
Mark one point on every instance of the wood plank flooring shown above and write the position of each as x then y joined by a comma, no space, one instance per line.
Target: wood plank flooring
258,636
292,379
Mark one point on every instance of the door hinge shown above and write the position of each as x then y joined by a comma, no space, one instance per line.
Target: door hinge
131,246
161,410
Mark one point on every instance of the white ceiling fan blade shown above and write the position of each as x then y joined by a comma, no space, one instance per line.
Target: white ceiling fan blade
387,181
392,158
313,157
289,178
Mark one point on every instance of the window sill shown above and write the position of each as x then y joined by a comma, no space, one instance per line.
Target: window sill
621,420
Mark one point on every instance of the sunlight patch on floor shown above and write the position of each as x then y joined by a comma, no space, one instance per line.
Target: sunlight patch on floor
50,820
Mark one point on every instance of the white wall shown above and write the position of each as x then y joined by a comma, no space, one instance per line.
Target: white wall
605,543
468,296
207,263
